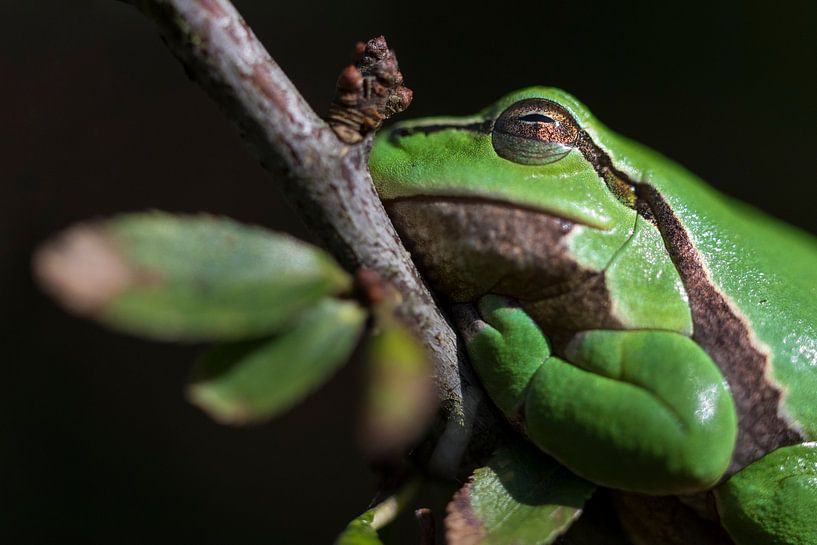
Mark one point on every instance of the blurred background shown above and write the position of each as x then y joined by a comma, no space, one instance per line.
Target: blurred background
96,117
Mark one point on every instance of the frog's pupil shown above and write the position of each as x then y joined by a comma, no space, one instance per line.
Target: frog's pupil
537,118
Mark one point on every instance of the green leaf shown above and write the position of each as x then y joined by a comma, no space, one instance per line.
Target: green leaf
249,382
186,278
360,531
400,399
363,529
522,497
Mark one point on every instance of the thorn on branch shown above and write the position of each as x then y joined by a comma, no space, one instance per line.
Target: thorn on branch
373,290
367,92
425,518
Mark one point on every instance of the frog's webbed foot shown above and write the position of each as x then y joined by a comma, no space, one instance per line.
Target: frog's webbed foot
646,411
773,500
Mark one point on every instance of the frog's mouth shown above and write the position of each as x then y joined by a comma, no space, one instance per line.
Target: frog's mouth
471,246
453,158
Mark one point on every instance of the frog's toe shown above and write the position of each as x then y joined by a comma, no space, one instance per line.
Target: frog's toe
774,500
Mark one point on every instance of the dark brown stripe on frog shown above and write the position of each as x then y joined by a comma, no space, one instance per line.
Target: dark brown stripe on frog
478,126
726,338
618,182
717,328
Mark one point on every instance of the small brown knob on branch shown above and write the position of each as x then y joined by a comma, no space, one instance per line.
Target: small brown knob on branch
425,518
368,92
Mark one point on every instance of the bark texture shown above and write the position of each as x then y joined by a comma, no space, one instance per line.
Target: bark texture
326,178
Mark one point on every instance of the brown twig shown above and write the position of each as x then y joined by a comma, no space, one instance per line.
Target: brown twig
368,92
325,178
428,531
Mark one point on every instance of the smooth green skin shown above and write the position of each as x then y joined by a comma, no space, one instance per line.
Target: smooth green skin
583,412
749,502
764,267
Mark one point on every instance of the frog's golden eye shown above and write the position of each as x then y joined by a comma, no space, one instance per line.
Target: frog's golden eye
534,131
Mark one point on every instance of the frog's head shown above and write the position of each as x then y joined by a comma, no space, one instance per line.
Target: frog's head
528,161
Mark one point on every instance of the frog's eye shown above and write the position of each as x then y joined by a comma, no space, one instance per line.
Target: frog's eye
534,131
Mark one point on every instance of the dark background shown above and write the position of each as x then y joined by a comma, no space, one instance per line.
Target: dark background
97,444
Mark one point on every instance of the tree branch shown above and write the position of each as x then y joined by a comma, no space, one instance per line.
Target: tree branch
329,183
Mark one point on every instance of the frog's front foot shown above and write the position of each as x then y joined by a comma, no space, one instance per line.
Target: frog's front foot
646,411
773,500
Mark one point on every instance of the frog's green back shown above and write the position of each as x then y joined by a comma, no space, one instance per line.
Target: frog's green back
766,268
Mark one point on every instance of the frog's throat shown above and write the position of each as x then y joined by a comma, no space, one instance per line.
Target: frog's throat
469,247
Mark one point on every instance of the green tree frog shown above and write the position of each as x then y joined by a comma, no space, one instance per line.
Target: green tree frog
646,331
